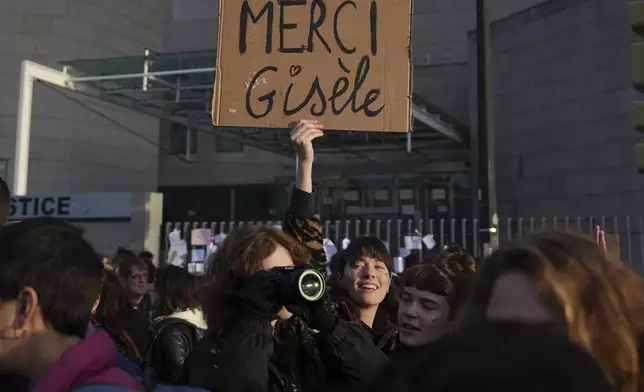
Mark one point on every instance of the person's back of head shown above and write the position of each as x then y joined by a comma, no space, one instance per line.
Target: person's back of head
455,261
567,279
113,299
5,202
148,258
50,277
178,290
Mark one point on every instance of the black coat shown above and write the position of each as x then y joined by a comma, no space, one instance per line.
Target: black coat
497,356
251,359
384,333
175,339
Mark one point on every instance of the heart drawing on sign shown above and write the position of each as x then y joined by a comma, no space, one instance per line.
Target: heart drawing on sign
295,70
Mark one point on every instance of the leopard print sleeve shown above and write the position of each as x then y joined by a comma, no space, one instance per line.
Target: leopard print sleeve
305,225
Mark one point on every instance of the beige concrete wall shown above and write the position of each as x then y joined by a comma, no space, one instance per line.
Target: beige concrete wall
73,149
143,231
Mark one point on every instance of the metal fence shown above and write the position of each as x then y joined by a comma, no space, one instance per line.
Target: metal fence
466,232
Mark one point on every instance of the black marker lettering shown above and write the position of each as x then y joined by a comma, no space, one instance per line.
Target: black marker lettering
314,87
339,87
266,97
336,32
318,89
12,208
361,75
35,209
47,206
316,24
373,18
288,26
371,97
63,205
247,12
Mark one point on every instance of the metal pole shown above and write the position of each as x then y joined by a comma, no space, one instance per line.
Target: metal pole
146,69
29,72
23,131
486,153
141,75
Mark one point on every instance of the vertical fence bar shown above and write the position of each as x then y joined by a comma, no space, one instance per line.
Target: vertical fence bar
368,228
464,232
347,228
475,237
398,234
378,227
509,229
327,228
442,233
337,234
358,224
452,230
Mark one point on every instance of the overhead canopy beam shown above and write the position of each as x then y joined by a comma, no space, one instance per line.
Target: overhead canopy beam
436,124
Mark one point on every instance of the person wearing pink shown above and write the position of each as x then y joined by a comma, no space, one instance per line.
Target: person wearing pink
49,279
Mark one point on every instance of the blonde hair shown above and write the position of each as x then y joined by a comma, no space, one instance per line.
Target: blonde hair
600,303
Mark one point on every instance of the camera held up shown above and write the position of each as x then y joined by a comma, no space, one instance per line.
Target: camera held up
300,283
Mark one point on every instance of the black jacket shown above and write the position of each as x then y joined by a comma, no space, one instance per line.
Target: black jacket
251,359
175,339
497,356
384,333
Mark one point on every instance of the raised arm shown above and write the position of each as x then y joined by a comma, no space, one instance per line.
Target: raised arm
302,221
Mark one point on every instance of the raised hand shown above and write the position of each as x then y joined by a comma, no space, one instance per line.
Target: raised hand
600,237
302,136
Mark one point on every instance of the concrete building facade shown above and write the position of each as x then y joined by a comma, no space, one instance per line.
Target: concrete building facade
561,87
74,149
563,101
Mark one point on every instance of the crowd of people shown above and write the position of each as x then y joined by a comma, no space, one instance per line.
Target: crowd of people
549,313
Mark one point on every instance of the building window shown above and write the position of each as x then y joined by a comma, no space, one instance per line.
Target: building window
179,139
226,145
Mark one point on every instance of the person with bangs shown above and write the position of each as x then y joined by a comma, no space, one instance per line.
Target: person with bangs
362,289
258,341
428,305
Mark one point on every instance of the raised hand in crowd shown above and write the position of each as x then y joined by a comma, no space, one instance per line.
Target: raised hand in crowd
600,238
302,135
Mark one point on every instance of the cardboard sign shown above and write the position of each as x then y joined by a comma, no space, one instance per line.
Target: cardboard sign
346,63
